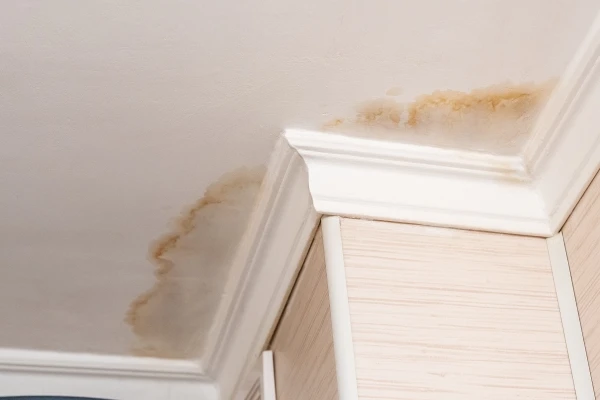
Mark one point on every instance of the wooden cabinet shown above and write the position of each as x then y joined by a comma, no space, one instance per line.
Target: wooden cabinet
453,314
430,313
302,344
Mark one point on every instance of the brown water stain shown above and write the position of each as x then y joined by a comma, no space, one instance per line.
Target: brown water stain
495,119
333,123
512,101
192,263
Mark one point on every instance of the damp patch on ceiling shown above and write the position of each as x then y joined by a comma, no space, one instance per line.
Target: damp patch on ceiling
191,265
496,119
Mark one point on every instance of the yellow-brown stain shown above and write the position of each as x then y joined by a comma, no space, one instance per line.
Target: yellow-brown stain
508,174
512,178
191,265
493,119
333,123
385,112
513,101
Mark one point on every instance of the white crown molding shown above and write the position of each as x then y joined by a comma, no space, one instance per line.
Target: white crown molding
96,364
563,154
374,179
313,174
30,372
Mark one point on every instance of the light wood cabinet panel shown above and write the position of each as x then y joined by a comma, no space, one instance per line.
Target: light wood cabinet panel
303,344
453,315
582,242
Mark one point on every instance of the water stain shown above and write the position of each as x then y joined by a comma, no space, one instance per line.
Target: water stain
333,123
192,263
495,119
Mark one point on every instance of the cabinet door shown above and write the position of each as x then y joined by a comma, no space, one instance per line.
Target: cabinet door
302,345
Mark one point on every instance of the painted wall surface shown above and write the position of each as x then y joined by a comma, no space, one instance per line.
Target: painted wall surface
114,116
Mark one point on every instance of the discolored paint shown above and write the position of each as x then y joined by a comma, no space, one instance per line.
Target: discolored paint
192,263
394,91
495,119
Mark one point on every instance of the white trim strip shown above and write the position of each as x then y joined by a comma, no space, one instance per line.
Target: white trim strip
567,304
340,309
267,384
14,360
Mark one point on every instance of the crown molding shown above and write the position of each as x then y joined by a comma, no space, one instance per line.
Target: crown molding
35,361
364,178
314,173
31,372
563,154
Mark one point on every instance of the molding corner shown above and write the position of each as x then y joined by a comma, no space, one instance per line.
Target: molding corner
373,179
31,372
563,154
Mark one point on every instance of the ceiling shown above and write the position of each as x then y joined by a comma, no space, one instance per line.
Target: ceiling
116,116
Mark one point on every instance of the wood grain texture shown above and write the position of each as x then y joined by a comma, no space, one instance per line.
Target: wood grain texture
254,392
567,305
303,343
581,233
449,314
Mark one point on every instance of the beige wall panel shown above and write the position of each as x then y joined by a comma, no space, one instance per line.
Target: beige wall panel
445,314
303,343
582,241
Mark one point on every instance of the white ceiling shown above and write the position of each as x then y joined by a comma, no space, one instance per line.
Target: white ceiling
115,115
